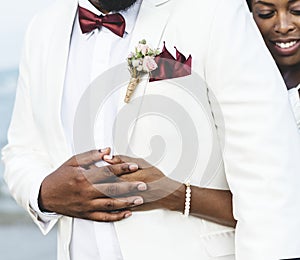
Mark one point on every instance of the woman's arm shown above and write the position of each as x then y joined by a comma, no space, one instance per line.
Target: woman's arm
165,193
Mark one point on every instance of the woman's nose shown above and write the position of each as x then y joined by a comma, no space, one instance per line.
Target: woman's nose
284,24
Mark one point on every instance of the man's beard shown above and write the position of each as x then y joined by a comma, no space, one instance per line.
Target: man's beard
115,5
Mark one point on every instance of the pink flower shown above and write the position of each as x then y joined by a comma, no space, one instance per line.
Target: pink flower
131,55
149,64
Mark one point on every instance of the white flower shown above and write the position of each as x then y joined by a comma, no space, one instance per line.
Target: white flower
149,64
136,63
143,48
139,68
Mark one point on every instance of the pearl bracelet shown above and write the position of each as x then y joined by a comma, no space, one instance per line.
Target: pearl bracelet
188,195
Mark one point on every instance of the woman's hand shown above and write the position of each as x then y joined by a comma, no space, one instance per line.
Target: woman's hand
162,192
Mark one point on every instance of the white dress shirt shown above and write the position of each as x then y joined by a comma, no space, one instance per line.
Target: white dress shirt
90,55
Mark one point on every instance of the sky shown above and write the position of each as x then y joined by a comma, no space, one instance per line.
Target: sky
14,19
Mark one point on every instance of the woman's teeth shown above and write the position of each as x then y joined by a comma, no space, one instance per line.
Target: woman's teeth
285,45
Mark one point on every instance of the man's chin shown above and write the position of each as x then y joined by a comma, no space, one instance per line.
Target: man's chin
115,5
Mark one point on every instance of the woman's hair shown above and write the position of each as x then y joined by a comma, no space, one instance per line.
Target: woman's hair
249,4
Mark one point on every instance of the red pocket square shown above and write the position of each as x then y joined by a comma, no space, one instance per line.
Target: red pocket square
169,67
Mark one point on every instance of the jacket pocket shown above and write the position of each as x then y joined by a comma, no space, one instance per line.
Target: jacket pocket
218,240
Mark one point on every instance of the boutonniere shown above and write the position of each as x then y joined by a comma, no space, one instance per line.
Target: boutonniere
158,66
140,63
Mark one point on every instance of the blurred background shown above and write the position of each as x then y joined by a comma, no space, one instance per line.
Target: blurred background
19,238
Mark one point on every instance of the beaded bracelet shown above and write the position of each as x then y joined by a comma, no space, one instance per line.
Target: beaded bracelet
188,194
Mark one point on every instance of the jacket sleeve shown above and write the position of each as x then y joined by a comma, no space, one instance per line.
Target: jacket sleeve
25,157
295,102
261,142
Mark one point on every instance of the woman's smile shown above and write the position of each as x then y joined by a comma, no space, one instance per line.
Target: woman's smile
285,47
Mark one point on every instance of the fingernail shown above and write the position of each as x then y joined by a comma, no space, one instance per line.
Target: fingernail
103,150
142,187
133,167
107,157
127,215
138,201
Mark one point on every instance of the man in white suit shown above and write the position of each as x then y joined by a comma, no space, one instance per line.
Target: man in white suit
261,142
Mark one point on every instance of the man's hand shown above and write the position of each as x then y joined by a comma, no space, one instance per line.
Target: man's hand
80,189
162,192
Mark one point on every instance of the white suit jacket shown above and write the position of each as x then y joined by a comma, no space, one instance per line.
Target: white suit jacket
258,135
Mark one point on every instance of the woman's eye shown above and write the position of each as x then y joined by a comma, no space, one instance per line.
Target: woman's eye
265,15
295,11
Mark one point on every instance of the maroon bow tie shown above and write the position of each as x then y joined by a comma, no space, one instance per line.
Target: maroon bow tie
90,21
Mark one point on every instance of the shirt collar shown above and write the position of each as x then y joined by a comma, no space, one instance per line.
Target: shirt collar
130,15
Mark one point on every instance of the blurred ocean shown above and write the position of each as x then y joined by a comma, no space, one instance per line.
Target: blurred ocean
8,82
20,239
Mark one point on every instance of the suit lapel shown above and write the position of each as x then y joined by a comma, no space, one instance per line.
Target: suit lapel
150,25
56,67
148,28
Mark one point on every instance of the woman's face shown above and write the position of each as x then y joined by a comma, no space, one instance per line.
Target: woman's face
279,23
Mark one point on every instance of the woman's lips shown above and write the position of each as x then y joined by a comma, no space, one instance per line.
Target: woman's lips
286,48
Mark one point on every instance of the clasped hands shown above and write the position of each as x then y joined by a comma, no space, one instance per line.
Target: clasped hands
109,193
